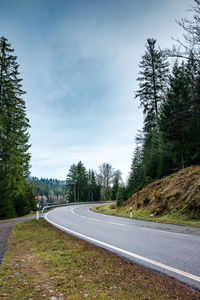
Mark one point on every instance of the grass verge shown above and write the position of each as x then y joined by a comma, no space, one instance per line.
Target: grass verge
143,214
44,263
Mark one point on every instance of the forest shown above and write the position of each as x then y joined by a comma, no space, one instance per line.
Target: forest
49,190
83,185
169,96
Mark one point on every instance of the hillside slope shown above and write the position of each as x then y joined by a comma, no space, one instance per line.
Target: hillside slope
178,193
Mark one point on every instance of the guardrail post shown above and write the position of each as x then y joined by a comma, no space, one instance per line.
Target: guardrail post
131,214
37,212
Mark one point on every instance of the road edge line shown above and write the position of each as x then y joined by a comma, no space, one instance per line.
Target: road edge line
153,262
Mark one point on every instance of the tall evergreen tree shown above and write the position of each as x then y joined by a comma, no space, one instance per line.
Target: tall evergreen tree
93,187
152,83
135,180
153,79
71,184
193,75
14,156
82,183
175,119
77,183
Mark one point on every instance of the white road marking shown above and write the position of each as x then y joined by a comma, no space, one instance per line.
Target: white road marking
178,234
116,223
125,224
72,210
153,262
94,219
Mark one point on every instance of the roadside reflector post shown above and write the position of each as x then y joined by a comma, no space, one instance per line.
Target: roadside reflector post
131,214
37,212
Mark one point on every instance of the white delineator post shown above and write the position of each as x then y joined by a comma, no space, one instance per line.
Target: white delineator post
37,212
131,214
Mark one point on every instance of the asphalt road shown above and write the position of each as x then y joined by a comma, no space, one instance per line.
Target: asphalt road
170,249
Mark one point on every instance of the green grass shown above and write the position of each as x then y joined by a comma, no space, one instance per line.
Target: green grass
44,263
143,214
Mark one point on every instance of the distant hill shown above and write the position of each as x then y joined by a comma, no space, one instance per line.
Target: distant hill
50,190
178,193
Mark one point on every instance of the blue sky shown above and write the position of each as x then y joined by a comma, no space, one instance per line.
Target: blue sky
79,63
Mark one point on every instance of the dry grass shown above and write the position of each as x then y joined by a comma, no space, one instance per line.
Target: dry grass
174,199
177,194
44,263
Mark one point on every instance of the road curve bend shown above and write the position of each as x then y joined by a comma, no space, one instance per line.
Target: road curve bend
170,249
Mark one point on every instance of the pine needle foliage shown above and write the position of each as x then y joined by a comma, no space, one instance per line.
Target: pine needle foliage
14,137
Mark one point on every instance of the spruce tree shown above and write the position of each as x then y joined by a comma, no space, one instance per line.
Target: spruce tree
135,180
153,80
77,183
175,118
192,70
82,183
14,156
93,187
152,83
71,184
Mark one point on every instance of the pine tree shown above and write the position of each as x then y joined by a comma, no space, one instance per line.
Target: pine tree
175,119
30,195
152,83
14,156
136,179
193,75
93,187
71,184
77,183
82,183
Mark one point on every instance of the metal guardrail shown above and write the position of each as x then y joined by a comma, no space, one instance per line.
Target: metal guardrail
73,203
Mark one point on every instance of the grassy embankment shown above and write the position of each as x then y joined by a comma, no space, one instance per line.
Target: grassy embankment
174,199
143,214
44,263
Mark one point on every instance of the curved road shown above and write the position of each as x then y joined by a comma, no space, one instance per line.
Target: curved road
170,249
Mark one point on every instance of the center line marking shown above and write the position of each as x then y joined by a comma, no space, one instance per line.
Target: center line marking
116,223
72,210
93,219
153,262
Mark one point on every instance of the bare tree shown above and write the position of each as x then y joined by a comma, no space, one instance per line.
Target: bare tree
191,43
105,178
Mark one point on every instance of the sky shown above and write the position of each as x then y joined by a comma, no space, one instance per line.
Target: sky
79,64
